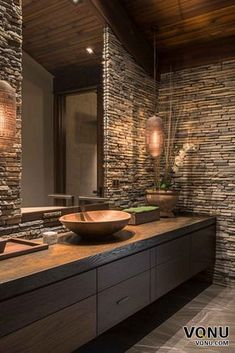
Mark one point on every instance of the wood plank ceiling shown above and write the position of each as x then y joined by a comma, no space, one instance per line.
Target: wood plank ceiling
184,21
56,32
187,28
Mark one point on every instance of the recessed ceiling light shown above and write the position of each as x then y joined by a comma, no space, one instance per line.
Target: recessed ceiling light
90,50
76,2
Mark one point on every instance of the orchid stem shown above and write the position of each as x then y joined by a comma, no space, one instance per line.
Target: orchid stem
156,165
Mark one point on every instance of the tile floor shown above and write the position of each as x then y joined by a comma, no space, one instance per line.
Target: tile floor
159,327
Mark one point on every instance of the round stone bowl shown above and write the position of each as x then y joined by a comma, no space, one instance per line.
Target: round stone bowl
96,225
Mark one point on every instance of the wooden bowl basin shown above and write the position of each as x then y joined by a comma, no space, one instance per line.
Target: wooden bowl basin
96,225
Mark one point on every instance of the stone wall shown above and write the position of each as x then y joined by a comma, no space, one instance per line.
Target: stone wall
10,70
33,224
206,97
33,228
128,102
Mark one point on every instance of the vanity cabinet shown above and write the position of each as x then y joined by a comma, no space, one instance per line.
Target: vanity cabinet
62,316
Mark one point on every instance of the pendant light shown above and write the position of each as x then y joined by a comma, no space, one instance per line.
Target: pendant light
154,132
7,116
154,136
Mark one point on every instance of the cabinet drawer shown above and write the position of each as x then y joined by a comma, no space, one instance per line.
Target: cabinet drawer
120,270
118,302
61,332
24,309
202,249
170,250
167,276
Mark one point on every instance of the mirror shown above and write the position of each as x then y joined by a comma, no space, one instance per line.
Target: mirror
62,104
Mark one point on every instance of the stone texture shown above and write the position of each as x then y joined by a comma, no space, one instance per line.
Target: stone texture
207,179
11,71
128,102
33,229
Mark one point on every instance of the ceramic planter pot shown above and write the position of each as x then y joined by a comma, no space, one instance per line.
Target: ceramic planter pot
165,200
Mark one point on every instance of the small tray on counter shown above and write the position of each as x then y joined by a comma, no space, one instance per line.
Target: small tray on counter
16,247
143,214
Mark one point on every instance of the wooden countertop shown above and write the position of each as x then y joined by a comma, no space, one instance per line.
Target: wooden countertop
31,271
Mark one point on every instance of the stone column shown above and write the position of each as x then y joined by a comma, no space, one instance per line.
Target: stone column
11,71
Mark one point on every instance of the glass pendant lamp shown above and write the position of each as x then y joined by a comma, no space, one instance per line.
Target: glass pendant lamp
154,136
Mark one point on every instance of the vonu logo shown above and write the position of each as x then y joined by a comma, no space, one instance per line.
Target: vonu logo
207,332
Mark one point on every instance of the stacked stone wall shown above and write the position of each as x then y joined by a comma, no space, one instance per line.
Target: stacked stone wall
205,99
11,71
128,103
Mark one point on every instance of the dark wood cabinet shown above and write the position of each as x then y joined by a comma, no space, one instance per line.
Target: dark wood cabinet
62,316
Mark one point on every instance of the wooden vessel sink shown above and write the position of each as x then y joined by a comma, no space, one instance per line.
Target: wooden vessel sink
96,225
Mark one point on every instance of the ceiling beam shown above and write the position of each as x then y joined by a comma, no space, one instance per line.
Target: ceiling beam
115,15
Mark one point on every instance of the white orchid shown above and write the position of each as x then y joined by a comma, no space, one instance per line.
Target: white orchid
179,159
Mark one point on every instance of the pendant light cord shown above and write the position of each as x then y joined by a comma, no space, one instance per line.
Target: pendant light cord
155,69
156,162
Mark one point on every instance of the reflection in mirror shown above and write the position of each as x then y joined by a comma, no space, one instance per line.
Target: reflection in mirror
62,104
37,133
81,143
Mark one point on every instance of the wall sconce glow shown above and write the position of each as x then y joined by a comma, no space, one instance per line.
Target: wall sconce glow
154,136
7,116
90,50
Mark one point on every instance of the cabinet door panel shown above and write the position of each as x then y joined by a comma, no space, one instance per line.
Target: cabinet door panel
202,249
118,302
61,332
20,311
120,270
170,250
167,276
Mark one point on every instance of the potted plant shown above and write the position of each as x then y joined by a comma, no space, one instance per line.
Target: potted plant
164,195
